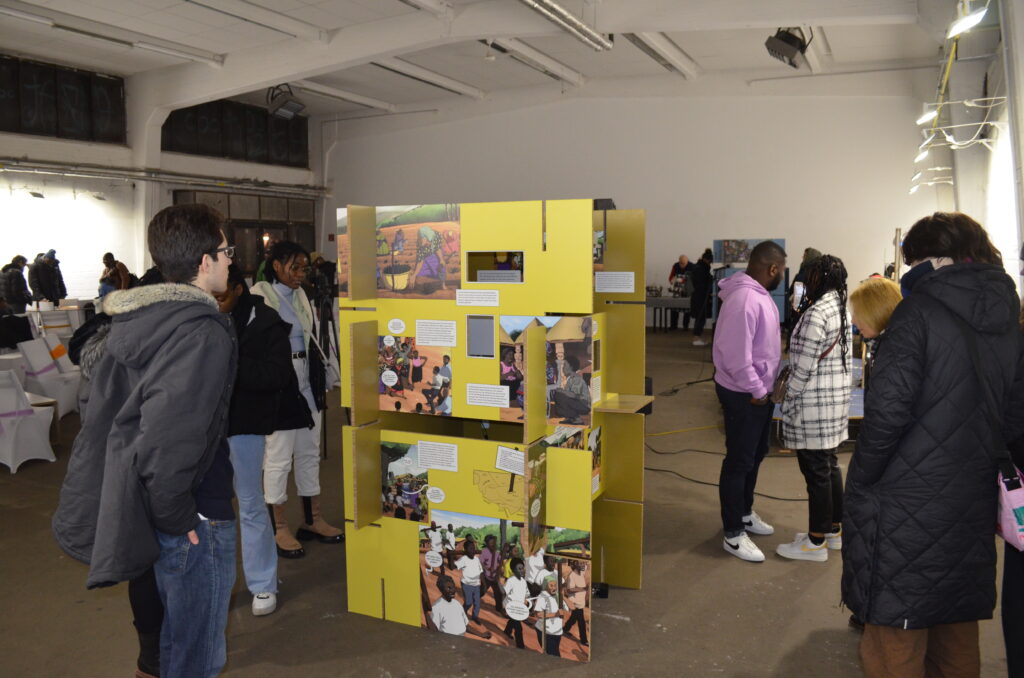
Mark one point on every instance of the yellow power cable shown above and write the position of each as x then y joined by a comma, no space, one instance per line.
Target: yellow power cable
683,430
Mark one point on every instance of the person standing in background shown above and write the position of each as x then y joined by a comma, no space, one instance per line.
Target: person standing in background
14,289
700,301
678,280
33,277
51,280
115,275
746,357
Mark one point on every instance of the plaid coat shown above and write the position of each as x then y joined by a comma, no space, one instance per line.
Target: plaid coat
816,409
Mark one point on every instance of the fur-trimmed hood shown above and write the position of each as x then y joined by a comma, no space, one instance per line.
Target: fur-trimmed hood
144,317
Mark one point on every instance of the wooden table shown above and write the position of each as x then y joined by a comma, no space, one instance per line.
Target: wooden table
662,307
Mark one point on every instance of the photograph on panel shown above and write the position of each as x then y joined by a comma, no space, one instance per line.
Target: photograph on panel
570,366
511,351
471,566
403,482
413,378
418,251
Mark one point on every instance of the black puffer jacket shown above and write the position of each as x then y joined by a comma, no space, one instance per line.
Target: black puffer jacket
266,397
153,431
14,289
920,505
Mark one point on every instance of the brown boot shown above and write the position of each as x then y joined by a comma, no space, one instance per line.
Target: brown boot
287,545
315,526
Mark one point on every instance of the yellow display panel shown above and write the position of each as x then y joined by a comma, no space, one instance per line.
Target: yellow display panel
363,371
624,330
398,563
479,487
569,483
363,473
362,571
557,273
618,542
362,274
623,461
535,355
625,252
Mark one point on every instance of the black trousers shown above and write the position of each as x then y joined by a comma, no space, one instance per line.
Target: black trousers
673,315
1013,610
495,586
577,616
514,628
746,443
824,488
147,608
699,307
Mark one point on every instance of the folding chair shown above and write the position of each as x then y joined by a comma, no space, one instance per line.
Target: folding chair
44,376
24,430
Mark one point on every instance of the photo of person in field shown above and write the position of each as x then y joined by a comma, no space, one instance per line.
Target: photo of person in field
419,251
403,482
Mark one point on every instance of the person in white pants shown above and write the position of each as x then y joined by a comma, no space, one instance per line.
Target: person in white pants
295,444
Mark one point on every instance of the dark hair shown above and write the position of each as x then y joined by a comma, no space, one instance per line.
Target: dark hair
573,362
236,277
283,251
766,253
950,234
826,274
111,254
180,235
708,255
514,562
19,260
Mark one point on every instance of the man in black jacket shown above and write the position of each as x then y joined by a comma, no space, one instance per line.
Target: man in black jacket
149,480
919,558
266,391
15,290
51,280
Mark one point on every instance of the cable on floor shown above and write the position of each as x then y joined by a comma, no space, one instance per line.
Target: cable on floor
683,430
709,484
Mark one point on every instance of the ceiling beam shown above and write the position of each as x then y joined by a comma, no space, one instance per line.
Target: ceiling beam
344,95
438,7
430,77
556,68
267,18
672,16
671,53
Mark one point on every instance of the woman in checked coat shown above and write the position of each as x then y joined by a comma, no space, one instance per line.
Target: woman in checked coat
815,412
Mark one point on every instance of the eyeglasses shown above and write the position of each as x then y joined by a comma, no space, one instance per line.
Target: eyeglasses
228,251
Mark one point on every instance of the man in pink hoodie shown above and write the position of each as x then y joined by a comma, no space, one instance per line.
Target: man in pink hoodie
747,350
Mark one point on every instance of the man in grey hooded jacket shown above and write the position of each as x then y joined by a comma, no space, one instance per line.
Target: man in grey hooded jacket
149,480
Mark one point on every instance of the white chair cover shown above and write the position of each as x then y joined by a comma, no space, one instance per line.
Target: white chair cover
59,353
24,430
57,323
44,376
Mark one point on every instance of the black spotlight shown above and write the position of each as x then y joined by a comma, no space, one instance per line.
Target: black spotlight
786,44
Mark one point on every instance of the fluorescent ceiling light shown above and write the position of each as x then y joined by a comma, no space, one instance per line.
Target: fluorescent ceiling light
215,60
660,48
94,36
540,61
430,77
343,95
25,16
928,116
928,140
436,6
966,22
564,19
267,18
916,176
921,156
914,188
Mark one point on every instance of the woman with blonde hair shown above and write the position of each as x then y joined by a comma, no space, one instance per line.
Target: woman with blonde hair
871,306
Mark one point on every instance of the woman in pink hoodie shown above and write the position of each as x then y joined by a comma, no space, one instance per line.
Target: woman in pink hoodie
747,349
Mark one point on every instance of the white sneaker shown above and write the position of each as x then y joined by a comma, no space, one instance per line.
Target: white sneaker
743,548
803,548
263,604
754,525
699,342
834,540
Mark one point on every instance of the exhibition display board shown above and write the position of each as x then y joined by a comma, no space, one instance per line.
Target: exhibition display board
493,360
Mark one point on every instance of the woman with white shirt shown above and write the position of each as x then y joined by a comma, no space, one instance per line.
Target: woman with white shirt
549,622
287,267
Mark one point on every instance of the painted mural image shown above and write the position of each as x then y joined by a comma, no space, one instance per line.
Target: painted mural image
569,366
411,378
403,482
476,582
344,260
418,251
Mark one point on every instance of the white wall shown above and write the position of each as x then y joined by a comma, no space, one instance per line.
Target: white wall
827,172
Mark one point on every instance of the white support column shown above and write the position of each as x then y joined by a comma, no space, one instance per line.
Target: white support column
145,121
1012,21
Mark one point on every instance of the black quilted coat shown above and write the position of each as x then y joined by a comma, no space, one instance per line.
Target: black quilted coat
920,505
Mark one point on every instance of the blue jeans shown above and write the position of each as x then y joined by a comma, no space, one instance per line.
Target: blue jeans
195,586
471,594
259,552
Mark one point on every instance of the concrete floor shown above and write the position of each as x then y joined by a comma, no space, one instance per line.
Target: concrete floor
700,612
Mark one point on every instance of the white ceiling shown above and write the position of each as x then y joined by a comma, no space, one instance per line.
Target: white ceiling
727,50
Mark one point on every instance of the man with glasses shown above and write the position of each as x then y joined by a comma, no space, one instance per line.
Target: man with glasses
149,483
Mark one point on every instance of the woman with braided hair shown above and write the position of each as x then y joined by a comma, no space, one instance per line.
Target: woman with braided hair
815,411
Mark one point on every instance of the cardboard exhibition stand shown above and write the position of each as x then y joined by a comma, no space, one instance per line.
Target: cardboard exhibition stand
493,356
